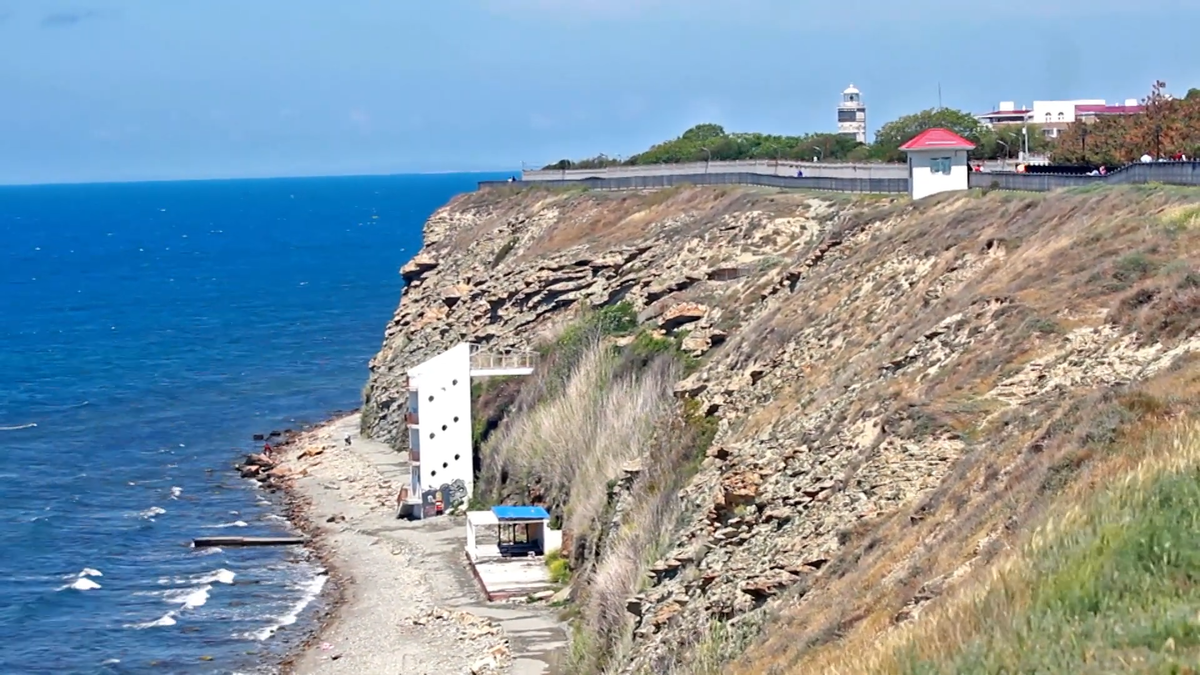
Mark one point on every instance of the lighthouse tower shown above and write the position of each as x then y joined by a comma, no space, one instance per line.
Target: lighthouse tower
852,115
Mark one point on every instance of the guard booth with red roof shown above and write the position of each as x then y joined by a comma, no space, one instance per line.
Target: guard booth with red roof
937,162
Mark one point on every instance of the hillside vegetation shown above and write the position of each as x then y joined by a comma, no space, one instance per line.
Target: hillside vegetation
598,437
1106,584
711,142
1169,126
799,433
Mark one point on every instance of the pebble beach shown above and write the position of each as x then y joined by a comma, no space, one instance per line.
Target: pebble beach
400,597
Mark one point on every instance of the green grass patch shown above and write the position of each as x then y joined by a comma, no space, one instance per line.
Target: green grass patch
504,250
647,346
1128,270
559,566
613,320
1118,591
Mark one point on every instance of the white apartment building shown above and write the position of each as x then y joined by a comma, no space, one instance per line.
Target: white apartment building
439,423
1059,112
1054,116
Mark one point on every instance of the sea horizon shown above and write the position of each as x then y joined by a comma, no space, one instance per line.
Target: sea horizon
217,179
151,328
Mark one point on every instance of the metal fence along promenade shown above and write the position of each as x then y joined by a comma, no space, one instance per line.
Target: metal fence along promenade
767,167
864,185
770,167
1166,173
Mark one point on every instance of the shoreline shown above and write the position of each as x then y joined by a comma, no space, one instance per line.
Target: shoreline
295,508
398,596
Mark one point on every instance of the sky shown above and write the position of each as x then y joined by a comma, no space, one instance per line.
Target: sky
113,90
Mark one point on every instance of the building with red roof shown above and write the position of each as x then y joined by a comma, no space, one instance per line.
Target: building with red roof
1091,113
1006,113
937,162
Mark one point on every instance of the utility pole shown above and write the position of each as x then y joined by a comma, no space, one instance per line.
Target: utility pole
939,95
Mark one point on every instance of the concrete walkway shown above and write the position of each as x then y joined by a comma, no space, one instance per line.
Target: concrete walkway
389,561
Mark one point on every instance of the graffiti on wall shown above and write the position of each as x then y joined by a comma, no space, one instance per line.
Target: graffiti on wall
436,501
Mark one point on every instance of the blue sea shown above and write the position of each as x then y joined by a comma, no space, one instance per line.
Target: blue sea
147,331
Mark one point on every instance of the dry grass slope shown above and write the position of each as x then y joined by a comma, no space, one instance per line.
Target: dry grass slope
1106,584
599,437
1076,270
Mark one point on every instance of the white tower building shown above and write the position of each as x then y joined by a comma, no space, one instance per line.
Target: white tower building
439,424
852,115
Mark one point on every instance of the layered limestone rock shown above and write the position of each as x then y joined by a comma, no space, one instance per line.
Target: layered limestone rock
501,270
872,362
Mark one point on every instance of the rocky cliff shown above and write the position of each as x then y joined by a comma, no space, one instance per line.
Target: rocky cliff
900,387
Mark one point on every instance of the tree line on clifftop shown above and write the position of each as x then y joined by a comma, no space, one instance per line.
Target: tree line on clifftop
1167,126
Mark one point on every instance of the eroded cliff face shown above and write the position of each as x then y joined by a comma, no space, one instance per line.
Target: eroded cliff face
900,386
506,267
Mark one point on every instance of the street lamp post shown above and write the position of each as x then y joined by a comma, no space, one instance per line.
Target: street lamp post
707,158
1083,140
820,150
1006,153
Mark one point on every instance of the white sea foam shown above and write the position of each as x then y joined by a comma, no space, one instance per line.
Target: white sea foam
175,492
82,584
311,589
90,572
167,619
221,576
151,512
214,550
19,427
218,576
188,598
236,523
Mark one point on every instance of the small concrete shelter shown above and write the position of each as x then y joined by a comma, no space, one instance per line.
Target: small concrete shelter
515,565
937,162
